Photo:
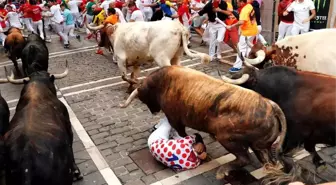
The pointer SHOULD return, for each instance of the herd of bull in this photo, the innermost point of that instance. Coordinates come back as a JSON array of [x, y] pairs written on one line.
[[270, 109], [36, 145]]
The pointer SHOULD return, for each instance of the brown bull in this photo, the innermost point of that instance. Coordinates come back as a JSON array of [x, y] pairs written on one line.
[[237, 117], [14, 45]]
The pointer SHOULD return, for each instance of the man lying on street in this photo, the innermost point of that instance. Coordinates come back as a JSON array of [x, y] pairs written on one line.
[[177, 153]]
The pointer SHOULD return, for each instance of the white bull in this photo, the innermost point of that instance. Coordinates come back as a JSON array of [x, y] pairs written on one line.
[[136, 43], [313, 51]]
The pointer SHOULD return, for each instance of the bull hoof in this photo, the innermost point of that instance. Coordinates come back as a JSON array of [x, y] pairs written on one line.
[[77, 176], [221, 173]]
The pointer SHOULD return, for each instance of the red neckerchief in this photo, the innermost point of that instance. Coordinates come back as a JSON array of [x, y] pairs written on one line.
[[134, 8]]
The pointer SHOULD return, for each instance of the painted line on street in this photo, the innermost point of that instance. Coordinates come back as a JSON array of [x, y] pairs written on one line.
[[111, 85], [91, 148], [53, 55], [115, 77], [185, 175]]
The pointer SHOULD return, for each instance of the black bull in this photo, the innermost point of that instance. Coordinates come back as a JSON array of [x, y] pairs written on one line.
[[237, 117], [307, 99], [39, 140]]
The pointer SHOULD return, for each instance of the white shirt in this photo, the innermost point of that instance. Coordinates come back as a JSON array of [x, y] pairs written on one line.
[[56, 12], [13, 19], [196, 5], [137, 16], [105, 5], [301, 11], [121, 15], [73, 6]]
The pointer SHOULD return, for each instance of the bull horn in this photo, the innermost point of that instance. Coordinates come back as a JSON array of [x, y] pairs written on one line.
[[94, 28], [261, 55], [64, 74], [239, 81], [129, 99], [12, 80]]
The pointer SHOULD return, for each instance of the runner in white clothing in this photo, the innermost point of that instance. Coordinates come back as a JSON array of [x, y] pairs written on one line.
[[57, 18], [146, 10], [302, 19], [73, 6], [136, 14], [13, 18]]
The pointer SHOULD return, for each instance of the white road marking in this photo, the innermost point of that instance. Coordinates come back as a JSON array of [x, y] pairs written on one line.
[[97, 158], [185, 175], [115, 77], [111, 85], [53, 55]]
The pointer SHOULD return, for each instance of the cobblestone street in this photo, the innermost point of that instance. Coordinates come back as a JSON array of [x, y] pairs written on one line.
[[110, 143]]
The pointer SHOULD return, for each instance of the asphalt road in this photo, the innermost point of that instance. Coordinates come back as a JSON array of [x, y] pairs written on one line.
[[110, 143]]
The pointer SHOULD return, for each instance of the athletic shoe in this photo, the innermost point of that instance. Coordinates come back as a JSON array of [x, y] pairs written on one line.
[[66, 46], [100, 52], [78, 38], [234, 70]]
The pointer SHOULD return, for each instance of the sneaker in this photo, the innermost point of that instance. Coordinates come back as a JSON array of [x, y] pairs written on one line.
[[78, 38], [48, 40], [66, 46], [99, 52], [203, 43], [234, 70]]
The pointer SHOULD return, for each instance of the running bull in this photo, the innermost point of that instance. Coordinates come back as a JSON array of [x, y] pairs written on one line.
[[39, 140], [312, 51], [14, 45], [307, 99], [139, 42], [239, 118], [35, 57]]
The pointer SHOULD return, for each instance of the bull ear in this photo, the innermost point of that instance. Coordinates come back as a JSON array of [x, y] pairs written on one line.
[[52, 78]]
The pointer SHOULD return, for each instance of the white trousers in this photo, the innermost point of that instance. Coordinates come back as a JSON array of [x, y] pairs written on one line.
[[285, 29], [297, 29], [217, 32], [28, 23], [38, 25], [162, 132], [59, 30], [2, 36], [76, 17], [68, 32], [243, 48], [89, 19], [260, 37], [148, 13]]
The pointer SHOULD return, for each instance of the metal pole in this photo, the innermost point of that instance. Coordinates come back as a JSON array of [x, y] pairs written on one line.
[[273, 21]]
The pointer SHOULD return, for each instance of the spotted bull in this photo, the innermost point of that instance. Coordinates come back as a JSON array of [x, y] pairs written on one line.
[[136, 43], [39, 140], [307, 99], [311, 51], [237, 117]]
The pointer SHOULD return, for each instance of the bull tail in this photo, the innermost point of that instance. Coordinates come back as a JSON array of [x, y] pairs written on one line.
[[274, 173], [282, 120], [205, 59]]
